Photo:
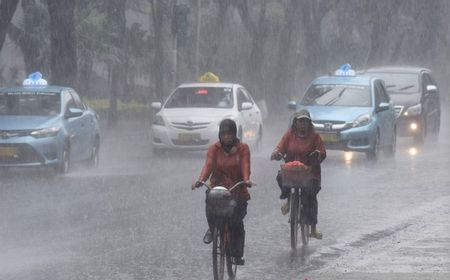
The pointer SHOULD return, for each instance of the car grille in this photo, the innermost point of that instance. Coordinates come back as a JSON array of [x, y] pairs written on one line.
[[23, 153], [4, 134], [331, 125], [398, 110], [190, 125], [190, 143]]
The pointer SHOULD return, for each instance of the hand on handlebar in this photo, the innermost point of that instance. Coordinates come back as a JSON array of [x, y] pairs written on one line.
[[276, 155], [197, 184], [314, 157], [248, 183]]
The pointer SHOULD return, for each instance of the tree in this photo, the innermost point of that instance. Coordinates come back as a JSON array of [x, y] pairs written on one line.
[[115, 30], [63, 60], [31, 36], [7, 10], [258, 31]]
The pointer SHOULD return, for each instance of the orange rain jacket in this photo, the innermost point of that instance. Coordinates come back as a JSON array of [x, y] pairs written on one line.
[[226, 169], [296, 148]]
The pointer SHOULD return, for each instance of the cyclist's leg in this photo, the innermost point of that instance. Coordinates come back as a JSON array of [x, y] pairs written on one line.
[[309, 202], [285, 192], [207, 238], [237, 229]]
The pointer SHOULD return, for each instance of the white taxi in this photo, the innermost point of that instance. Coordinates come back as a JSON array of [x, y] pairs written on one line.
[[189, 118]]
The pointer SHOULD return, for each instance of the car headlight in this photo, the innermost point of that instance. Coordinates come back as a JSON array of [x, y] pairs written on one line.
[[362, 120], [46, 132], [158, 120], [413, 110]]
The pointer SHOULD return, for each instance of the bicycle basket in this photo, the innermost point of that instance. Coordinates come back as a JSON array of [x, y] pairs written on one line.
[[294, 176], [219, 202]]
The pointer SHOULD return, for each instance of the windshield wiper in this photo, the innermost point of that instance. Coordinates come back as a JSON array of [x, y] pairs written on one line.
[[390, 86], [334, 100], [406, 87]]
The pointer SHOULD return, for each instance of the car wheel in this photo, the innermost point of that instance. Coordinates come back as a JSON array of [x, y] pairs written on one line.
[[64, 166], [157, 152], [373, 153], [390, 150], [420, 137], [95, 154], [240, 134], [258, 143], [433, 132]]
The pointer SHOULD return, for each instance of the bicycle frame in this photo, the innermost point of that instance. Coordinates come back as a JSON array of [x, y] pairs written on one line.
[[221, 247], [296, 219]]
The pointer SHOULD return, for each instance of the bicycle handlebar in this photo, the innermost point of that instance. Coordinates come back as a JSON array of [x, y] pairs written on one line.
[[230, 189]]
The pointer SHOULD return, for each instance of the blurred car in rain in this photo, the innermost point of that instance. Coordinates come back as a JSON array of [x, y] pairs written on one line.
[[415, 94], [189, 118], [351, 112], [48, 126]]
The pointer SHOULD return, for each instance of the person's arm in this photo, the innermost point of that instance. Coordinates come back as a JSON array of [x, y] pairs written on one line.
[[209, 164], [245, 163], [281, 149], [320, 147]]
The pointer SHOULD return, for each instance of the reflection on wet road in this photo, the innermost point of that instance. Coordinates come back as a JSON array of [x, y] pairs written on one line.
[[136, 217]]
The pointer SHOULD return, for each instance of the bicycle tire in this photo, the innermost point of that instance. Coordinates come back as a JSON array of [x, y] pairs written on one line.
[[304, 228], [231, 268], [218, 255], [294, 219]]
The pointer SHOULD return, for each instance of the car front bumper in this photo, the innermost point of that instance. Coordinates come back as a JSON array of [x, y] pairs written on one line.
[[30, 152], [358, 139], [409, 126], [164, 137]]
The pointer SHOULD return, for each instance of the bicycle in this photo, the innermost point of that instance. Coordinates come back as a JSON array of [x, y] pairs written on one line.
[[296, 178], [221, 205]]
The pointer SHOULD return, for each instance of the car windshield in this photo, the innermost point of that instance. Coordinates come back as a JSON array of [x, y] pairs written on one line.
[[338, 95], [204, 97], [400, 82], [30, 103]]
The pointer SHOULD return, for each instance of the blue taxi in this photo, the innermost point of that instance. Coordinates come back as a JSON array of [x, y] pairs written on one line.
[[48, 126], [351, 112]]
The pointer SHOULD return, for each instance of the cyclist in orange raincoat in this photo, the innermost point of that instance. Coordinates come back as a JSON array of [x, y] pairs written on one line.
[[227, 163], [302, 143]]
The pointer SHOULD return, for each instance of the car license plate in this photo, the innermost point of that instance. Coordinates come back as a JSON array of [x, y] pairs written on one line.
[[329, 137], [188, 137], [8, 151]]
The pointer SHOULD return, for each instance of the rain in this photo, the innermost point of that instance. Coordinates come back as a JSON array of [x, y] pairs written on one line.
[[135, 216]]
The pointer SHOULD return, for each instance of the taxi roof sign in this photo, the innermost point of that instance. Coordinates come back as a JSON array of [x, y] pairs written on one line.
[[345, 70], [34, 79], [209, 77]]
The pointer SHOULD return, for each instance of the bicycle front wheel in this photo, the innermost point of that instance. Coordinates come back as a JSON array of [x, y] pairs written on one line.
[[231, 268], [218, 254], [294, 219]]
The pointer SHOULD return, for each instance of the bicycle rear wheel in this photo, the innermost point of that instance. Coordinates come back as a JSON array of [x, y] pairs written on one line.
[[294, 219], [304, 228], [218, 254]]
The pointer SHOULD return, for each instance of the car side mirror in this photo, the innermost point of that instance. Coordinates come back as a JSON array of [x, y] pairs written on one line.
[[431, 89], [73, 113], [383, 107], [292, 105], [246, 106], [156, 105]]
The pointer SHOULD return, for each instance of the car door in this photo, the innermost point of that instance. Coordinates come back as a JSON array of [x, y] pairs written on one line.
[[385, 117], [87, 127], [73, 126], [430, 101], [255, 114], [244, 115]]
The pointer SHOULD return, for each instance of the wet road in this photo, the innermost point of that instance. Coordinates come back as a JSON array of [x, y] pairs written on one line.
[[136, 217]]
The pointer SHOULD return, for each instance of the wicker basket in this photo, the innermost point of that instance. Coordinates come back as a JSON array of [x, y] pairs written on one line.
[[293, 176]]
